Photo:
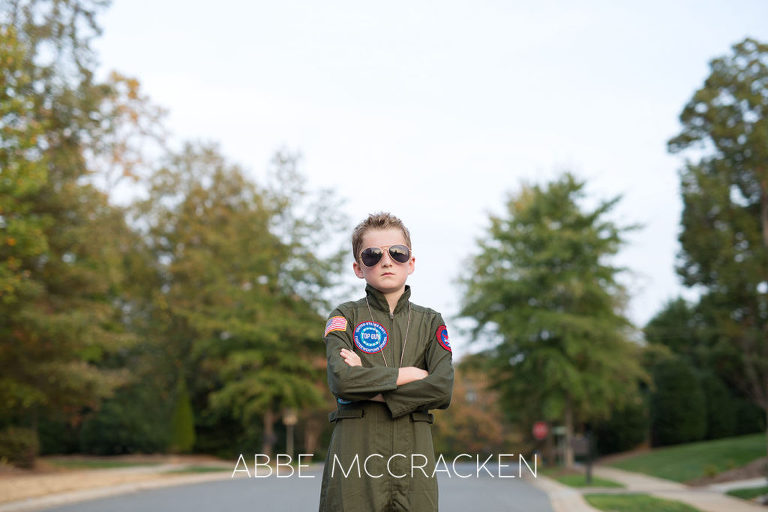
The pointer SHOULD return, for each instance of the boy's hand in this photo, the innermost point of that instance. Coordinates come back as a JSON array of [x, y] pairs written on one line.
[[410, 374], [351, 358]]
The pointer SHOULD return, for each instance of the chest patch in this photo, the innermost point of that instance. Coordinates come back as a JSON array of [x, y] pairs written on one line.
[[370, 337], [442, 338]]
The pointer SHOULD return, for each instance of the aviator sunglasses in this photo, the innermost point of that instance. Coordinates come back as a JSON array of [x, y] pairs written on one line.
[[372, 255]]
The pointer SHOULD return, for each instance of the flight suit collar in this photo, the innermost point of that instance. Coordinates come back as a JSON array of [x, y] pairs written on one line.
[[377, 300]]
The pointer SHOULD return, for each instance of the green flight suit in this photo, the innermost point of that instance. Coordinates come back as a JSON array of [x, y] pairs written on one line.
[[392, 440]]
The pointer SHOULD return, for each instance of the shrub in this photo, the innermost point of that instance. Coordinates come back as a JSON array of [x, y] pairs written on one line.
[[625, 429], [721, 407], [134, 421], [19, 446], [183, 421], [678, 405]]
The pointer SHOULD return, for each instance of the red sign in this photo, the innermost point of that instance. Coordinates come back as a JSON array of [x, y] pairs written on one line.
[[540, 430]]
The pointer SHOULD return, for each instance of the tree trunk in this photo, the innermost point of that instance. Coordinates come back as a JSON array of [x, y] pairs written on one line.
[[568, 452], [268, 438], [311, 435], [764, 211]]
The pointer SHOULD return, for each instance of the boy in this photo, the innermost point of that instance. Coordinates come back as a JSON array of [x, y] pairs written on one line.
[[389, 362]]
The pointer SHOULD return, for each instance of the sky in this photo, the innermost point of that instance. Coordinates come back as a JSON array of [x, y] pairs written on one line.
[[439, 111]]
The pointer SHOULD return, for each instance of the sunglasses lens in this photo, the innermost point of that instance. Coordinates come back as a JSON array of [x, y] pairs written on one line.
[[399, 253], [371, 256]]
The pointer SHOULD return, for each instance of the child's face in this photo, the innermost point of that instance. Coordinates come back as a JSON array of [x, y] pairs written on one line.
[[387, 275]]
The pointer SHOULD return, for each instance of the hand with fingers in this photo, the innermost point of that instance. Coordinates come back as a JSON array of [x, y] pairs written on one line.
[[350, 358]]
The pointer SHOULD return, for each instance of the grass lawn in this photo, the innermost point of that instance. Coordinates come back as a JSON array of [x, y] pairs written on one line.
[[581, 481], [636, 503], [749, 493], [576, 478], [199, 469], [688, 461]]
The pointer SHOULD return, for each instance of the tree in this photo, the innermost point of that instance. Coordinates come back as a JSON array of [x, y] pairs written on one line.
[[542, 290], [724, 237], [236, 307], [64, 262], [678, 404]]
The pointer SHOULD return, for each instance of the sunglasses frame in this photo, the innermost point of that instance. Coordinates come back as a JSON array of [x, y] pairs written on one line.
[[389, 250]]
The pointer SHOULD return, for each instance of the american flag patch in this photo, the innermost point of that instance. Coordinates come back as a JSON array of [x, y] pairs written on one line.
[[335, 323]]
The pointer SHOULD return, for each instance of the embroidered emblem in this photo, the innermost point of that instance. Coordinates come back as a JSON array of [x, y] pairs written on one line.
[[335, 323], [442, 338], [370, 337], [343, 402]]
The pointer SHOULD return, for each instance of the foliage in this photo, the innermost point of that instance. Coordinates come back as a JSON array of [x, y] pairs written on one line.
[[19, 446], [626, 427], [724, 234], [58, 434], [689, 330], [212, 280], [678, 404], [182, 421], [135, 420], [720, 405], [62, 314], [230, 309], [68, 303], [474, 422], [680, 327], [749, 417], [542, 289]]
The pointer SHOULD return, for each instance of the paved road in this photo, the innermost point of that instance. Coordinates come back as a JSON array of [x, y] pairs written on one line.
[[299, 494]]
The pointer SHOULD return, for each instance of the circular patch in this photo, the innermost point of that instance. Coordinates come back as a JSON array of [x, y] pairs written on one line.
[[442, 338], [370, 337]]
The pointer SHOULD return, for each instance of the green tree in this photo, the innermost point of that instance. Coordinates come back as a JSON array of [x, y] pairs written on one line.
[[541, 289], [24, 171], [67, 252], [182, 421], [724, 233], [236, 304]]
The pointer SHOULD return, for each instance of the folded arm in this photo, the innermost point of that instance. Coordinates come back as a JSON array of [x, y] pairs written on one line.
[[354, 382], [433, 391]]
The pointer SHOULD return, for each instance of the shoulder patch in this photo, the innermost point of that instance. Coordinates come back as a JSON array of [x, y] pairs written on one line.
[[370, 337], [335, 323], [442, 338]]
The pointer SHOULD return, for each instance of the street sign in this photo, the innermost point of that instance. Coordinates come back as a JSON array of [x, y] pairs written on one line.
[[540, 430]]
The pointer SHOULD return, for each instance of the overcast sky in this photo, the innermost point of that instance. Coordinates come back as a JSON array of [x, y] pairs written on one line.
[[436, 111]]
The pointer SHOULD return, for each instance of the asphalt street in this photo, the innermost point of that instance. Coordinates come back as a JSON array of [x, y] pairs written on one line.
[[293, 494]]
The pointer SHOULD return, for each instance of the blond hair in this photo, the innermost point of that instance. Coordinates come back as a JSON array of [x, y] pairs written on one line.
[[380, 220]]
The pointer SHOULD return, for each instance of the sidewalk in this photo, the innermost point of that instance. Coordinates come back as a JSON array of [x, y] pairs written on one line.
[[563, 498], [705, 499]]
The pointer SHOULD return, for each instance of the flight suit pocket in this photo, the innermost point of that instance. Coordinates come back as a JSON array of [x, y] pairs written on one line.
[[344, 414]]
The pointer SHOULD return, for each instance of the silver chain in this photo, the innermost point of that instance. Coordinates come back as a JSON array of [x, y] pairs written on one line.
[[405, 341]]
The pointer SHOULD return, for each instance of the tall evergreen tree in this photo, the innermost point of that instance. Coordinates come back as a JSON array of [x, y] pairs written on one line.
[[542, 290], [724, 233]]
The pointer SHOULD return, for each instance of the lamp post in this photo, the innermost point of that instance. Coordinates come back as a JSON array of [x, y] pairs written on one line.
[[290, 418]]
